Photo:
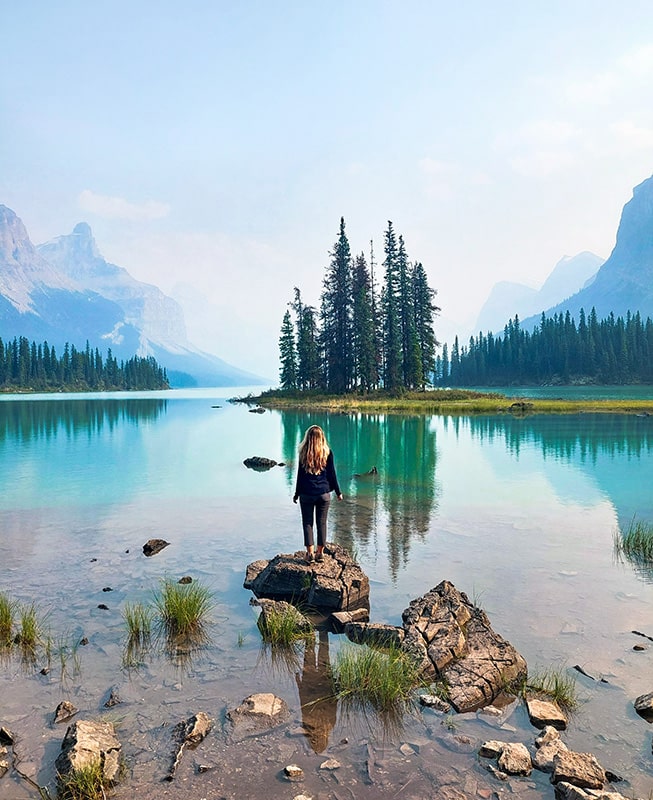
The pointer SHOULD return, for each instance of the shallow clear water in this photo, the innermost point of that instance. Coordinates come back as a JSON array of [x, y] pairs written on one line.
[[518, 513]]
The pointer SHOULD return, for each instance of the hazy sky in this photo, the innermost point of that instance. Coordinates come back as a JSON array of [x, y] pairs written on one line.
[[219, 143]]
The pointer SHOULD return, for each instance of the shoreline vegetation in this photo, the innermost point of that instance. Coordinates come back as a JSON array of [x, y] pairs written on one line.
[[442, 401]]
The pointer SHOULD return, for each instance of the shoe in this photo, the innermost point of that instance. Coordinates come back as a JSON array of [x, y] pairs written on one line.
[[310, 558], [319, 557]]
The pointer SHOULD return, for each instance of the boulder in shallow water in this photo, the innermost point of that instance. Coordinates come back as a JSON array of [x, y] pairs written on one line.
[[644, 706], [579, 769], [335, 584], [454, 639], [64, 711], [543, 713], [259, 463], [154, 546], [89, 743]]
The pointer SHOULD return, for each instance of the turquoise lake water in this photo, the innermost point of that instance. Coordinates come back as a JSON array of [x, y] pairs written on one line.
[[519, 513]]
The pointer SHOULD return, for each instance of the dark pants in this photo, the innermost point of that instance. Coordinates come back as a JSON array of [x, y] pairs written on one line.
[[314, 506]]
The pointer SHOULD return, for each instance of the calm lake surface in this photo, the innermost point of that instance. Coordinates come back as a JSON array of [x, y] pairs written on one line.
[[519, 513]]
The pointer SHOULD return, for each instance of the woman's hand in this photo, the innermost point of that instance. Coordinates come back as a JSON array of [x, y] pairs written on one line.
[[339, 497]]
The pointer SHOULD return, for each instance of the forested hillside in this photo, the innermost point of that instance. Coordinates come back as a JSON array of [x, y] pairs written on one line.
[[613, 350]]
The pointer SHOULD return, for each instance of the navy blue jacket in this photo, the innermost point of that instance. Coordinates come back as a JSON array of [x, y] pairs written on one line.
[[322, 483]]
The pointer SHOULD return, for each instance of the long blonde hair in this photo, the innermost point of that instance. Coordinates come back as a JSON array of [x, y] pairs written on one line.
[[314, 450]]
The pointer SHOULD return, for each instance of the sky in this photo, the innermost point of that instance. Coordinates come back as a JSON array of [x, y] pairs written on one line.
[[213, 146]]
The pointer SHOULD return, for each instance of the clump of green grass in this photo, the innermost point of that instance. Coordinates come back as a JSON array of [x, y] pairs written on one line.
[[183, 609], [384, 680], [636, 542], [7, 611], [138, 619], [85, 783], [554, 684], [29, 631], [28, 625], [284, 626]]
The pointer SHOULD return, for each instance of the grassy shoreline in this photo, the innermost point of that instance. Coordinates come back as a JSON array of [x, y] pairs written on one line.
[[445, 401]]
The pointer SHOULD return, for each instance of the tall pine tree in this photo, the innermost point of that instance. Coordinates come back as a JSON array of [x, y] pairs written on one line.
[[363, 332], [392, 344], [336, 316], [287, 354]]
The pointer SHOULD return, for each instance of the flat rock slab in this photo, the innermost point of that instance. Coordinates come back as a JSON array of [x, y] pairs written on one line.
[[89, 743], [579, 769], [375, 634], [335, 584], [453, 639], [545, 712], [567, 791]]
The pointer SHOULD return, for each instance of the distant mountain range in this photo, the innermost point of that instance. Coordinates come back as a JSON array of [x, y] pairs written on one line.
[[622, 283], [625, 281], [65, 291], [507, 299]]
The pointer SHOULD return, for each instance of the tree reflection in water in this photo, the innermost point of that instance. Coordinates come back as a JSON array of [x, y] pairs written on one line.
[[398, 500]]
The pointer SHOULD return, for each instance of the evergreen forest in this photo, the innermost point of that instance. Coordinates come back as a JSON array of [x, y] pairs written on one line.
[[26, 366], [362, 338], [558, 351]]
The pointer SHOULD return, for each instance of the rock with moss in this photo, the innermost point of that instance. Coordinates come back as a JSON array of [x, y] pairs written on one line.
[[461, 647], [272, 608]]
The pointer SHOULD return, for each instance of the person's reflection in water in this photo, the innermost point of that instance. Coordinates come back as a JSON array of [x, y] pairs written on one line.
[[319, 705]]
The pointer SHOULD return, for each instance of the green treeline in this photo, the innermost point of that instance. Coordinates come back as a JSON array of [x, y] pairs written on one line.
[[362, 338], [24, 365], [609, 351]]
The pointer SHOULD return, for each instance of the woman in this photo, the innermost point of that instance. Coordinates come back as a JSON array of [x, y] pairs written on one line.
[[316, 479]]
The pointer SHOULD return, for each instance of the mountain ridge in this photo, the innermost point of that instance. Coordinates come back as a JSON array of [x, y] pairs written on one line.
[[65, 291], [624, 282]]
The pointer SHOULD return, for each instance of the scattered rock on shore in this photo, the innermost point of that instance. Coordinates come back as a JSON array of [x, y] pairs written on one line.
[[154, 546], [258, 712], [545, 712], [64, 711], [644, 706], [89, 743]]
